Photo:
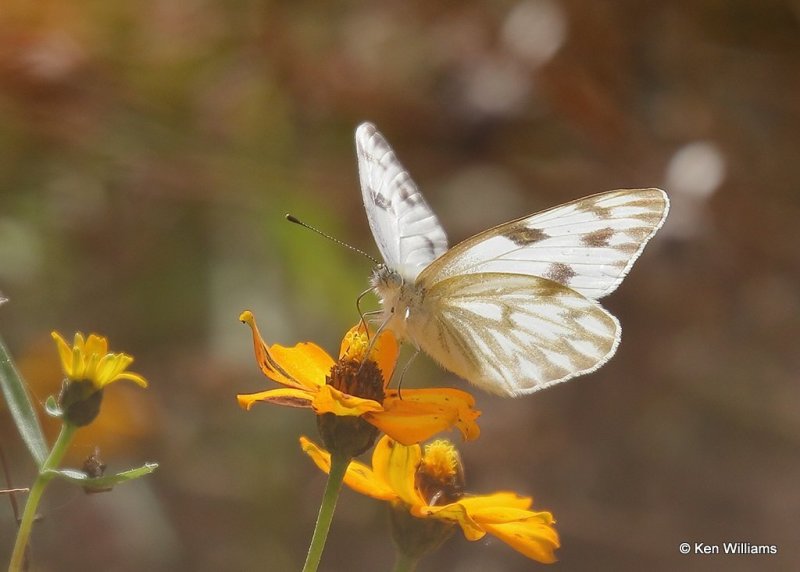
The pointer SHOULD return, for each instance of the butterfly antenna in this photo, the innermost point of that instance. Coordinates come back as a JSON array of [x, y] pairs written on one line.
[[295, 220]]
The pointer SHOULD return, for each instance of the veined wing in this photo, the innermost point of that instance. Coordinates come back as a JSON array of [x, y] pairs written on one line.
[[589, 244], [513, 334], [407, 232]]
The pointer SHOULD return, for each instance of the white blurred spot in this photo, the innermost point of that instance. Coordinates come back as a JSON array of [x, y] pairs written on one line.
[[497, 86], [534, 30], [53, 57], [693, 174], [697, 169]]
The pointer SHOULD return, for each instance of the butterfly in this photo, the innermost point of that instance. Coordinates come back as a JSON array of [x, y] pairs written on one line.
[[514, 308]]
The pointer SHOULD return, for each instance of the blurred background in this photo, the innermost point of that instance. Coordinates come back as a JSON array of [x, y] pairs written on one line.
[[148, 153]]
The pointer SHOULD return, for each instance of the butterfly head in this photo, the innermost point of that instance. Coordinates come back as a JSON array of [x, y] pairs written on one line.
[[385, 280], [389, 285]]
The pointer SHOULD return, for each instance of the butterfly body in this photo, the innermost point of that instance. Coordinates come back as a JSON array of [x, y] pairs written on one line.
[[513, 309], [398, 296]]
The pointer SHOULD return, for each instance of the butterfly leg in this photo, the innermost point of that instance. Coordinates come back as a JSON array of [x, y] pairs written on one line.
[[377, 333], [363, 314], [403, 373]]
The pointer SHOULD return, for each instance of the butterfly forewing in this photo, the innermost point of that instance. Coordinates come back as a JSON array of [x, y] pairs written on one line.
[[513, 334], [407, 232], [589, 244]]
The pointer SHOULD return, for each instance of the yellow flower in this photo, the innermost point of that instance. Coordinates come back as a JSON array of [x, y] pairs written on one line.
[[89, 368], [89, 360], [429, 485], [313, 379]]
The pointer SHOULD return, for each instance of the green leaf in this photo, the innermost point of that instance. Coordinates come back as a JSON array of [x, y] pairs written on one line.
[[105, 482], [19, 403]]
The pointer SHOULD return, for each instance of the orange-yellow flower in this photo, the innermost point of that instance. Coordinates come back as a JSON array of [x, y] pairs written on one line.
[[429, 485], [307, 373], [89, 368]]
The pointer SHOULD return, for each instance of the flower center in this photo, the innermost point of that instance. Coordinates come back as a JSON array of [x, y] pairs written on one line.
[[440, 476], [360, 379]]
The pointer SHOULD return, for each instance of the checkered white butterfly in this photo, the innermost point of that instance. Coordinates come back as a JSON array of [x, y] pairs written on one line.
[[512, 309]]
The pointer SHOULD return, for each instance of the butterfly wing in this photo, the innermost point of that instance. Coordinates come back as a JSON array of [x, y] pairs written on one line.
[[407, 232], [512, 334], [588, 244]]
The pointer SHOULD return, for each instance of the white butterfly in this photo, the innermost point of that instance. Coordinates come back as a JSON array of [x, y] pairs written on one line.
[[512, 309]]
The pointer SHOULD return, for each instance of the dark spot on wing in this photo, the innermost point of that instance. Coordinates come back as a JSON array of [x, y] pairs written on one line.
[[429, 246], [600, 212], [598, 238], [560, 273], [381, 202], [549, 288], [628, 247], [650, 219], [524, 236], [408, 192]]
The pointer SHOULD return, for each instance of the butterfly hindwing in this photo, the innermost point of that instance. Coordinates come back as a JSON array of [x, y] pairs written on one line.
[[407, 232], [588, 244], [510, 333]]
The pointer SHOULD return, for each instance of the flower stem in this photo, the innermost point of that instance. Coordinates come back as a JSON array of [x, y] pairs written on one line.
[[42, 480], [339, 465], [405, 562]]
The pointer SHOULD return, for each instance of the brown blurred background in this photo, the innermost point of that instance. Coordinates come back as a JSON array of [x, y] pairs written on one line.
[[149, 150]]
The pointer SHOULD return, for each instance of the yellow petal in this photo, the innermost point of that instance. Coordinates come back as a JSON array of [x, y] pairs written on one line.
[[304, 365], [134, 377], [472, 512], [358, 477], [287, 396], [64, 352], [422, 413], [396, 465], [454, 512], [78, 367], [503, 515], [534, 537], [78, 342], [95, 345], [477, 503], [331, 400], [105, 369], [409, 425]]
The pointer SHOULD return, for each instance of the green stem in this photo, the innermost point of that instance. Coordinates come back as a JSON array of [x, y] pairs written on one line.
[[334, 485], [405, 562], [42, 480]]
